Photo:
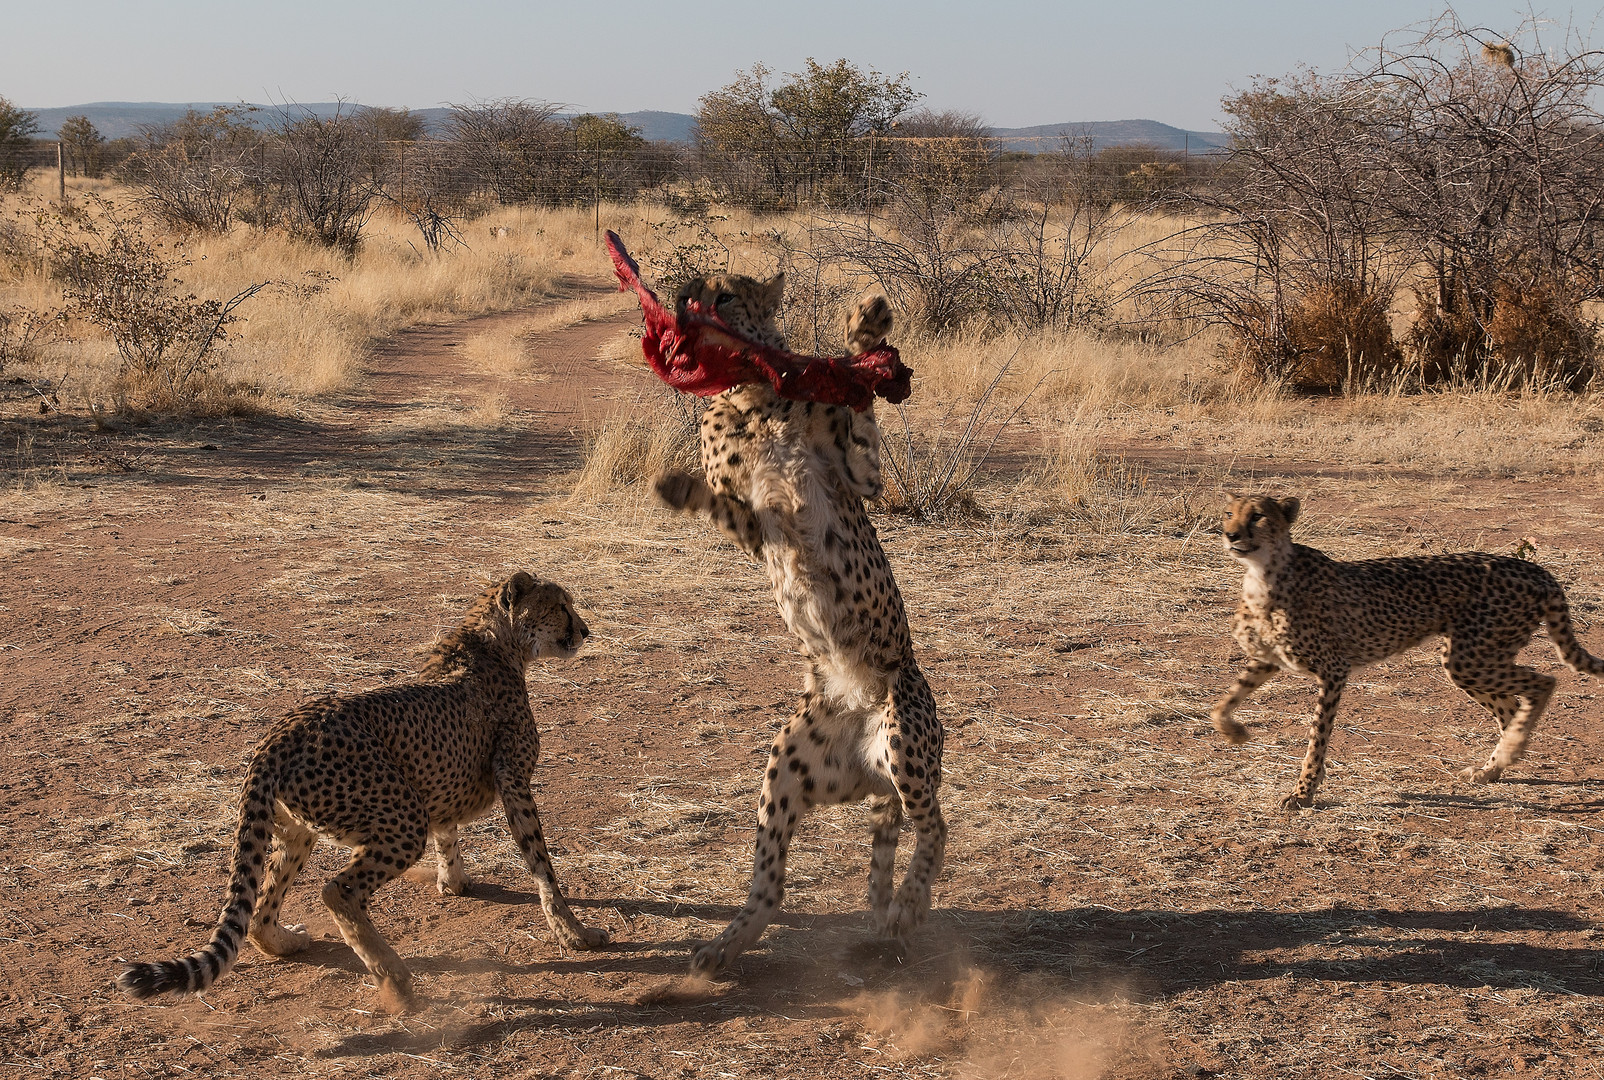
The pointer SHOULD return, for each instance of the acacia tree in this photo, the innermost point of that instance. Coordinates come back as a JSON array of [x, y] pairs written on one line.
[[17, 129], [195, 172], [327, 171], [81, 146], [805, 139], [1496, 149], [512, 147]]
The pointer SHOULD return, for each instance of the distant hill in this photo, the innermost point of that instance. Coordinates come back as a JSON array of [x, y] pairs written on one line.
[[1105, 133], [115, 119]]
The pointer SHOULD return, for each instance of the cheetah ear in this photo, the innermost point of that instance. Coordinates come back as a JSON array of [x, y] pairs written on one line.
[[515, 589], [1289, 509], [772, 291]]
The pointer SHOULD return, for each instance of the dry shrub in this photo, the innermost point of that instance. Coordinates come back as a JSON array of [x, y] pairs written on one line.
[[629, 449], [1539, 335], [1536, 334], [1341, 335], [117, 278], [1332, 335]]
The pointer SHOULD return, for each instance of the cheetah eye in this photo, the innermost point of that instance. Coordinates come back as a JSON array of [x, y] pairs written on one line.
[[1255, 519], [723, 298]]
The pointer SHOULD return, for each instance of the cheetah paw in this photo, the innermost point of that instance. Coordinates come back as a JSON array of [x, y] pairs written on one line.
[[902, 919], [1482, 776], [710, 959], [281, 940], [674, 489], [583, 938], [1297, 802], [1235, 733], [453, 886]]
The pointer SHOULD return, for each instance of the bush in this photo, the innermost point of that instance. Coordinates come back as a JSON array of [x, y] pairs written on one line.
[[115, 278], [1535, 333], [629, 449], [196, 172], [17, 129], [326, 172], [22, 332]]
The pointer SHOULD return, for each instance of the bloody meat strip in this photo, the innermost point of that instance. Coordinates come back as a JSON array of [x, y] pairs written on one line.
[[697, 353]]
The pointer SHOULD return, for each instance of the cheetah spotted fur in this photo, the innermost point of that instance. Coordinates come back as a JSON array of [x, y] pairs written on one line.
[[380, 772], [1305, 611], [787, 481]]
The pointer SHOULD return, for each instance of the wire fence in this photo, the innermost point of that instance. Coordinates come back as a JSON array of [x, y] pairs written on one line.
[[455, 174]]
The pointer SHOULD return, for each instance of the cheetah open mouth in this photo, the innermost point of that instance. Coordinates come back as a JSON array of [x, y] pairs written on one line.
[[699, 354]]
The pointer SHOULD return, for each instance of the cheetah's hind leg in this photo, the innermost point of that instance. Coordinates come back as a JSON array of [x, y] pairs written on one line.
[[1484, 667], [449, 877], [292, 843], [915, 770], [788, 783]]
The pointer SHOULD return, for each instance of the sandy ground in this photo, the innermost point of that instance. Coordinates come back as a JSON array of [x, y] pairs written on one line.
[[1121, 898]]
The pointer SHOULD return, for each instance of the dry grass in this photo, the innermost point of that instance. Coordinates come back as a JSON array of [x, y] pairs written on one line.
[[629, 448]]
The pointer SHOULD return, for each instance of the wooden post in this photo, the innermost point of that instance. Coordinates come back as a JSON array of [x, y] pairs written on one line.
[[61, 171]]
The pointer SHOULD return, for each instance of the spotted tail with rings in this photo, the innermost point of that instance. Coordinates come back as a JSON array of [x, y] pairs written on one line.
[[195, 972]]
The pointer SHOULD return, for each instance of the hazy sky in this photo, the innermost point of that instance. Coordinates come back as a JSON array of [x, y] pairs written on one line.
[[1014, 63]]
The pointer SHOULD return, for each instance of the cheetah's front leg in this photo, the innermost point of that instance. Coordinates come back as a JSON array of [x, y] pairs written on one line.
[[1252, 677], [449, 877], [512, 784], [681, 491], [1314, 761]]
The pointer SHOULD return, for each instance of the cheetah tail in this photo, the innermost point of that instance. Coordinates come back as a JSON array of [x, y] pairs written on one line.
[[1557, 614], [194, 973]]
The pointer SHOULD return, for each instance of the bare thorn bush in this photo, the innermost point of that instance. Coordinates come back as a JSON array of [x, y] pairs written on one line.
[[117, 279]]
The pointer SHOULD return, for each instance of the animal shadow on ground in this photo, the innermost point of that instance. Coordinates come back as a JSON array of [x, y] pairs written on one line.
[[813, 966]]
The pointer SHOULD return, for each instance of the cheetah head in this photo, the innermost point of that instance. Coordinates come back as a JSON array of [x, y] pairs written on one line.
[[746, 305], [1256, 524], [541, 616]]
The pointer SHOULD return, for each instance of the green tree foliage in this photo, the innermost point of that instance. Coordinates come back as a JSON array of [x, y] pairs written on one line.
[[804, 140], [17, 129], [81, 146]]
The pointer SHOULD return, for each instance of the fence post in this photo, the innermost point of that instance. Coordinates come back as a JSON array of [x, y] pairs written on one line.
[[61, 172], [596, 189]]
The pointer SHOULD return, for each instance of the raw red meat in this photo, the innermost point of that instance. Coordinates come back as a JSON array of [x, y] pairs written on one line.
[[698, 354]]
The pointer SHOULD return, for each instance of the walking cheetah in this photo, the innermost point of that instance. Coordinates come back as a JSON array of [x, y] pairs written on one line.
[[787, 481], [1305, 611], [381, 772]]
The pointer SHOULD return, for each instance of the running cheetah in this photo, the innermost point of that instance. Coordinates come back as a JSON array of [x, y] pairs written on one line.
[[787, 481], [381, 772], [1305, 611]]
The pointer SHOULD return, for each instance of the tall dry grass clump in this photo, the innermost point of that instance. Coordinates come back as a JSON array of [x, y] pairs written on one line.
[[630, 448]]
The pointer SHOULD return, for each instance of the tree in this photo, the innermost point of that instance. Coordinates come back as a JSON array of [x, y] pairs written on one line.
[[391, 125], [195, 171], [17, 129], [512, 147], [807, 139], [326, 171], [81, 146]]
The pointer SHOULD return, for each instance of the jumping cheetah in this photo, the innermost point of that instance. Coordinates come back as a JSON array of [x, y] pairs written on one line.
[[1305, 611], [381, 772], [787, 481]]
